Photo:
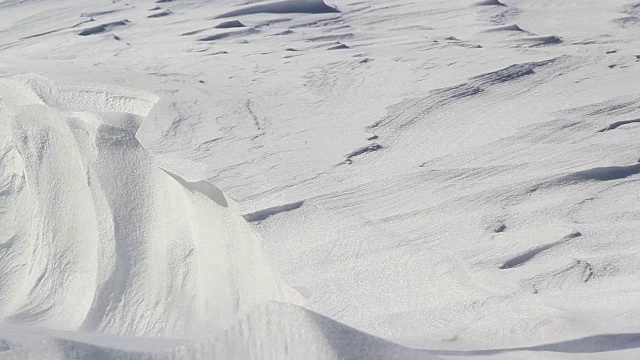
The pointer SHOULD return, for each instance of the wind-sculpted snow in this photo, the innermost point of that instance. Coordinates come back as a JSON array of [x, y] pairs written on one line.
[[284, 7], [98, 238], [99, 29], [270, 331], [458, 176], [283, 331]]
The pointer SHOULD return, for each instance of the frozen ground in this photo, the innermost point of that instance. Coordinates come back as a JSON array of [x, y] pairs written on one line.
[[423, 179]]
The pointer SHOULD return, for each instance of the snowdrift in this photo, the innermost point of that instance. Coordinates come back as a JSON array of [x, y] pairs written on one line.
[[284, 331], [97, 237], [271, 331]]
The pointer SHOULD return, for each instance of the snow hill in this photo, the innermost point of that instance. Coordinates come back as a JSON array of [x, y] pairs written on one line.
[[412, 179]]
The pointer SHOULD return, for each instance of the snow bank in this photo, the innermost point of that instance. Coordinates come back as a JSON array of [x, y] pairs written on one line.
[[97, 237]]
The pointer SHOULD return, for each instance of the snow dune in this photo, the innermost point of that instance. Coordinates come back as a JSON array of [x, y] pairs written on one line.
[[97, 237]]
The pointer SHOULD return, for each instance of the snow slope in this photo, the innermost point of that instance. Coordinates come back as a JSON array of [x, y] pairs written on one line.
[[455, 176]]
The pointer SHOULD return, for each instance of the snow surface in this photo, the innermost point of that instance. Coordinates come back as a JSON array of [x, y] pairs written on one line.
[[421, 179]]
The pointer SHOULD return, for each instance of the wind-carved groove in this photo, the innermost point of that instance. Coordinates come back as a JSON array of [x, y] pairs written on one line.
[[528, 255], [102, 28], [606, 173], [618, 124], [263, 214], [410, 111], [283, 7]]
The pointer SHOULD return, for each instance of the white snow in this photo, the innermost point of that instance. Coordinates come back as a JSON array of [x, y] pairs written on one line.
[[189, 179], [97, 237]]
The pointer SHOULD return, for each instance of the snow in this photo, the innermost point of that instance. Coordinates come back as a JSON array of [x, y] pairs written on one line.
[[97, 237], [294, 179]]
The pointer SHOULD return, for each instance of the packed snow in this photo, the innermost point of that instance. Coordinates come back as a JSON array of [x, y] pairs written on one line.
[[309, 179]]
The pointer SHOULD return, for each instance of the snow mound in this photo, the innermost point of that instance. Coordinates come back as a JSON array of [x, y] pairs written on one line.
[[98, 238]]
